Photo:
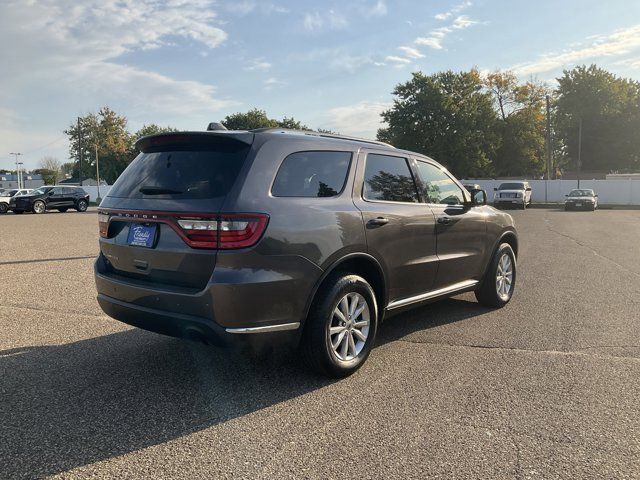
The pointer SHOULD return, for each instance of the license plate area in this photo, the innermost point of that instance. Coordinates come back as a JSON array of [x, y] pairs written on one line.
[[578, 204], [142, 235]]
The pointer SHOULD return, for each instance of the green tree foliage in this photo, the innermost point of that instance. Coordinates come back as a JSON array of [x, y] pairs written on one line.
[[104, 134], [609, 109], [256, 118], [446, 115], [521, 125]]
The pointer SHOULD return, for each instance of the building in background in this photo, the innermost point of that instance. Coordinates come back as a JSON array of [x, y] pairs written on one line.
[[8, 181]]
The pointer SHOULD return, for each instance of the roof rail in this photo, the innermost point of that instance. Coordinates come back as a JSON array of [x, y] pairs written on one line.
[[319, 134]]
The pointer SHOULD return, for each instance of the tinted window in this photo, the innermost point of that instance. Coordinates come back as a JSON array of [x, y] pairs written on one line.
[[312, 174], [181, 174], [511, 186], [58, 191], [438, 186], [389, 178]]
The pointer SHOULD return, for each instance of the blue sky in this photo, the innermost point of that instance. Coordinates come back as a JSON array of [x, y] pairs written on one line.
[[329, 64]]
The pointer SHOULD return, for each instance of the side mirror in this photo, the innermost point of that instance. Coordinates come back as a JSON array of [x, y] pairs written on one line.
[[528, 189], [495, 189], [596, 196], [566, 195], [478, 197]]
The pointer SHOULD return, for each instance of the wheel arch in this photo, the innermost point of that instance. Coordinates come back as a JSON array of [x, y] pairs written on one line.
[[361, 264]]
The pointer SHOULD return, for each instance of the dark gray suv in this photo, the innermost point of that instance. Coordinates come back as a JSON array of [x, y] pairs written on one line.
[[269, 235]]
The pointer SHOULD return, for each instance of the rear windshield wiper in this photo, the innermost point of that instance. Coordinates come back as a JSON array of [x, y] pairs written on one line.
[[150, 190]]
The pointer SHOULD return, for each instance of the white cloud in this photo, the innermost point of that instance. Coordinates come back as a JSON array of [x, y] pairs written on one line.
[[316, 21], [360, 120], [272, 83], [454, 10], [260, 65], [379, 9], [74, 51], [399, 61], [436, 37], [620, 42], [242, 8], [411, 52]]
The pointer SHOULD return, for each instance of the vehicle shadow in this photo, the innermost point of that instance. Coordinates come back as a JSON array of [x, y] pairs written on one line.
[[70, 405]]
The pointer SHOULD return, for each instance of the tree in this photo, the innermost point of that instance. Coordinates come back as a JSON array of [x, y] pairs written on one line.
[[50, 170], [608, 107], [256, 118], [249, 121], [104, 133], [521, 124], [446, 115], [146, 130]]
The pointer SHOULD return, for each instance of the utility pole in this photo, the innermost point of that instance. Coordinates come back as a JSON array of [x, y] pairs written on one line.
[[579, 149], [97, 175], [15, 154], [80, 152], [20, 175], [549, 143]]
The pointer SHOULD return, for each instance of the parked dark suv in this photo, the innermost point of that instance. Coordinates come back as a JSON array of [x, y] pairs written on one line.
[[226, 236], [60, 198]]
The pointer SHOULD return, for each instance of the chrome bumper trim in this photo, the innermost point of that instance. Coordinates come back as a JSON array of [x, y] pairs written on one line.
[[266, 329]]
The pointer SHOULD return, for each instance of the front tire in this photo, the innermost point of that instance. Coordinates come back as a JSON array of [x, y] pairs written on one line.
[[82, 206], [3, 207], [39, 207], [341, 326], [499, 280]]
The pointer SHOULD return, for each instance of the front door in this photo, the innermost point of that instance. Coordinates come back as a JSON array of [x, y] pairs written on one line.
[[55, 197], [400, 230], [461, 228]]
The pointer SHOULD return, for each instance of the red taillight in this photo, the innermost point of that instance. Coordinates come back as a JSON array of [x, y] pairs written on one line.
[[103, 224], [227, 231]]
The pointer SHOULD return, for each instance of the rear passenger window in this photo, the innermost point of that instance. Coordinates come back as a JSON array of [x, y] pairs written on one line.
[[389, 178], [312, 174], [438, 186]]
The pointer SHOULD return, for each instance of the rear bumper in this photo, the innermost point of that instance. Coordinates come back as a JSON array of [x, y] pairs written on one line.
[[237, 309]]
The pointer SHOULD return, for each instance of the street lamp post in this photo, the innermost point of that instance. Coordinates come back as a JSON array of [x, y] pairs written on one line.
[[16, 154], [20, 175]]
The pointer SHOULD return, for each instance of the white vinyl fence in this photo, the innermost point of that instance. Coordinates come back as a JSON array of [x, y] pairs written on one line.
[[93, 191], [620, 192]]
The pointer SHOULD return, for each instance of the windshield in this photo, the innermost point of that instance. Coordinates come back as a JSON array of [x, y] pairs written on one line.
[[581, 193], [8, 193], [511, 186], [41, 190]]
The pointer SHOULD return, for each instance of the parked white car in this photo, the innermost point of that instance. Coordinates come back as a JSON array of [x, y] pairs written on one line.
[[513, 194], [7, 195]]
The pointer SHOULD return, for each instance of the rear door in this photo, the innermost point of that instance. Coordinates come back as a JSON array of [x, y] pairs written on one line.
[[400, 230], [461, 228]]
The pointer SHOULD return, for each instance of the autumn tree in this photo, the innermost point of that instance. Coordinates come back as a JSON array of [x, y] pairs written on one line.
[[448, 115]]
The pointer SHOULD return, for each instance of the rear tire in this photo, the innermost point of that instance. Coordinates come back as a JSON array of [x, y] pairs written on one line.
[[499, 280], [329, 345]]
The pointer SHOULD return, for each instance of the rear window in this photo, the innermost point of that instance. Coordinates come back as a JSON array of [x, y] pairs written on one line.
[[312, 174], [181, 174]]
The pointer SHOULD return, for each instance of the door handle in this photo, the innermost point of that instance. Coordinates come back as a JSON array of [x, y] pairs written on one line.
[[444, 220], [378, 222]]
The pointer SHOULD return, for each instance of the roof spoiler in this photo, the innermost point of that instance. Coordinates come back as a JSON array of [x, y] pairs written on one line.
[[164, 141]]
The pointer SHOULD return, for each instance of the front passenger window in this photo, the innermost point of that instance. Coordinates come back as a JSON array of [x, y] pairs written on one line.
[[438, 186]]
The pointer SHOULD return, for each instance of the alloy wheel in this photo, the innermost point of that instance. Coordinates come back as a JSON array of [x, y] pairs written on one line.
[[349, 326], [504, 276]]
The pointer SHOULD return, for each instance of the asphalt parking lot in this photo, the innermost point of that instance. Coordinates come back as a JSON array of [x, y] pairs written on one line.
[[548, 387]]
